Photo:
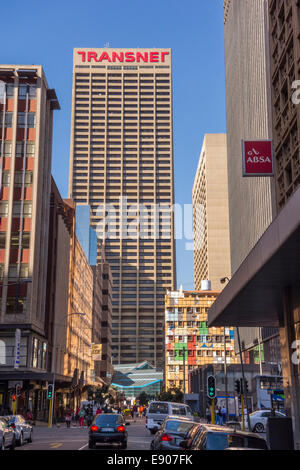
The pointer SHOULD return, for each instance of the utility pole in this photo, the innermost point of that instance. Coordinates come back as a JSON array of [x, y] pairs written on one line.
[[244, 391], [183, 350], [225, 376]]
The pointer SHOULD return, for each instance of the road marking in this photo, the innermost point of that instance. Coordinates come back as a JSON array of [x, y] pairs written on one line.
[[55, 445], [83, 447]]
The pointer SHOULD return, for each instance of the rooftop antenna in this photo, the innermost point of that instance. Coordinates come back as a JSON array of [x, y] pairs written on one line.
[[106, 44]]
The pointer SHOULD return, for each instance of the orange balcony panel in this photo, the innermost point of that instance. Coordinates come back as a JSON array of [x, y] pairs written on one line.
[[28, 193], [30, 164], [10, 105], [25, 256], [31, 134], [2, 256], [27, 225], [32, 106], [3, 224], [5, 194], [7, 133], [6, 163]]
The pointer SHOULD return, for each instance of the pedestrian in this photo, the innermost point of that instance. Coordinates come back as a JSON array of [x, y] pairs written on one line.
[[134, 412], [81, 417], [224, 415], [144, 411], [218, 415], [89, 415], [98, 411], [29, 417], [77, 416], [68, 416], [119, 410]]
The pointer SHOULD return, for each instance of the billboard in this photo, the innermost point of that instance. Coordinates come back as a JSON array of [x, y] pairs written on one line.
[[257, 158]]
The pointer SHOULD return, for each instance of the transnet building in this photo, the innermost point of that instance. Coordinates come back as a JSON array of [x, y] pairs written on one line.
[[122, 166]]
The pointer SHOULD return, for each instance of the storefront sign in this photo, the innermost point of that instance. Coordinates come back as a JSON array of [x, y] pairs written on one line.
[[257, 158], [17, 348]]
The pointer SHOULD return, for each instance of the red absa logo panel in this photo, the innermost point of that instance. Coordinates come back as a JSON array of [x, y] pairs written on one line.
[[257, 158]]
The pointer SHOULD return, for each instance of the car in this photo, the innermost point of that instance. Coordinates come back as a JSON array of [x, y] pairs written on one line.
[[172, 431], [23, 430], [7, 435], [108, 428], [259, 419], [159, 410], [212, 437]]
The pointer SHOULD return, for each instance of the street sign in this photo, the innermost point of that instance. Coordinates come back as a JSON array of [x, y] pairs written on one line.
[[257, 157], [17, 348]]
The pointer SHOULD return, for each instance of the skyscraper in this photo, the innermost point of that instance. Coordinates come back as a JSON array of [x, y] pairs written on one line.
[[211, 217], [122, 166]]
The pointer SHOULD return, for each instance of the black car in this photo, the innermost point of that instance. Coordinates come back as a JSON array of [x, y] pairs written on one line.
[[108, 429], [173, 431], [211, 437]]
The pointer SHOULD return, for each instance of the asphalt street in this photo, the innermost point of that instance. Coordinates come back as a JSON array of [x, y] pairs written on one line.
[[76, 438]]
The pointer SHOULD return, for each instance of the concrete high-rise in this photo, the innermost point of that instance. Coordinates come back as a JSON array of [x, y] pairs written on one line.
[[122, 157], [211, 216]]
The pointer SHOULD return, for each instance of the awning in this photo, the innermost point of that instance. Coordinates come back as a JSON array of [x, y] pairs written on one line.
[[254, 295]]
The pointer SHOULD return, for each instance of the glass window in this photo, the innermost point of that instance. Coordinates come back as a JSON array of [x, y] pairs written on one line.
[[102, 420], [27, 209], [15, 240], [178, 410], [30, 120], [19, 178], [9, 90], [3, 209], [35, 345], [6, 178], [7, 149], [159, 408], [217, 441], [13, 271]]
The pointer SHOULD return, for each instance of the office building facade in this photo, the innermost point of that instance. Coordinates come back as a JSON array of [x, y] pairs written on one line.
[[210, 214], [122, 166], [189, 342], [26, 115]]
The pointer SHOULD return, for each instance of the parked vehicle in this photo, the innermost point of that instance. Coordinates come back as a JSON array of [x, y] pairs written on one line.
[[108, 428], [23, 429], [259, 419], [212, 437], [7, 435], [159, 410], [173, 431]]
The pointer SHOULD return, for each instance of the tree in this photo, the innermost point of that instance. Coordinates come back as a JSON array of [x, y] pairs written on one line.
[[143, 398], [173, 394], [101, 394]]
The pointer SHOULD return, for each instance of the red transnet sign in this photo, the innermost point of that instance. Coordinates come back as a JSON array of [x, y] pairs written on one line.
[[257, 158]]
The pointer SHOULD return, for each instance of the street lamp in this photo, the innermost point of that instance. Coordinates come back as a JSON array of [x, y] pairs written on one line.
[[53, 366]]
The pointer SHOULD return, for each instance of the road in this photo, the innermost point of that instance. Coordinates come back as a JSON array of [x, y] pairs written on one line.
[[62, 438]]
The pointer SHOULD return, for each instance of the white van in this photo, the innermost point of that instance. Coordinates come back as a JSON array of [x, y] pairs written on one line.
[[159, 410]]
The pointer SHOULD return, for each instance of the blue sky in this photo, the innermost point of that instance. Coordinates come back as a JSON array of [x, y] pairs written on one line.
[[37, 32]]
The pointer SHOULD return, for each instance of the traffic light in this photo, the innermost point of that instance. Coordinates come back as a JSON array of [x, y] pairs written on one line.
[[211, 386], [246, 386], [18, 390], [50, 392], [14, 397], [237, 386]]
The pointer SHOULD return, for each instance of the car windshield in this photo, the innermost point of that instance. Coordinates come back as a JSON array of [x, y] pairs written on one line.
[[159, 408], [102, 420], [178, 426]]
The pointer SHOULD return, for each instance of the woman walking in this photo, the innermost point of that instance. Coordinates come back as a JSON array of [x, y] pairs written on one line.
[[81, 417]]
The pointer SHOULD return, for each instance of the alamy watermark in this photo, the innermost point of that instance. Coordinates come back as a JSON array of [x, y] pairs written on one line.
[[296, 94], [152, 222]]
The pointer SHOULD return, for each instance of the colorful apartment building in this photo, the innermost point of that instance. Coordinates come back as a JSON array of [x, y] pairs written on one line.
[[189, 342]]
